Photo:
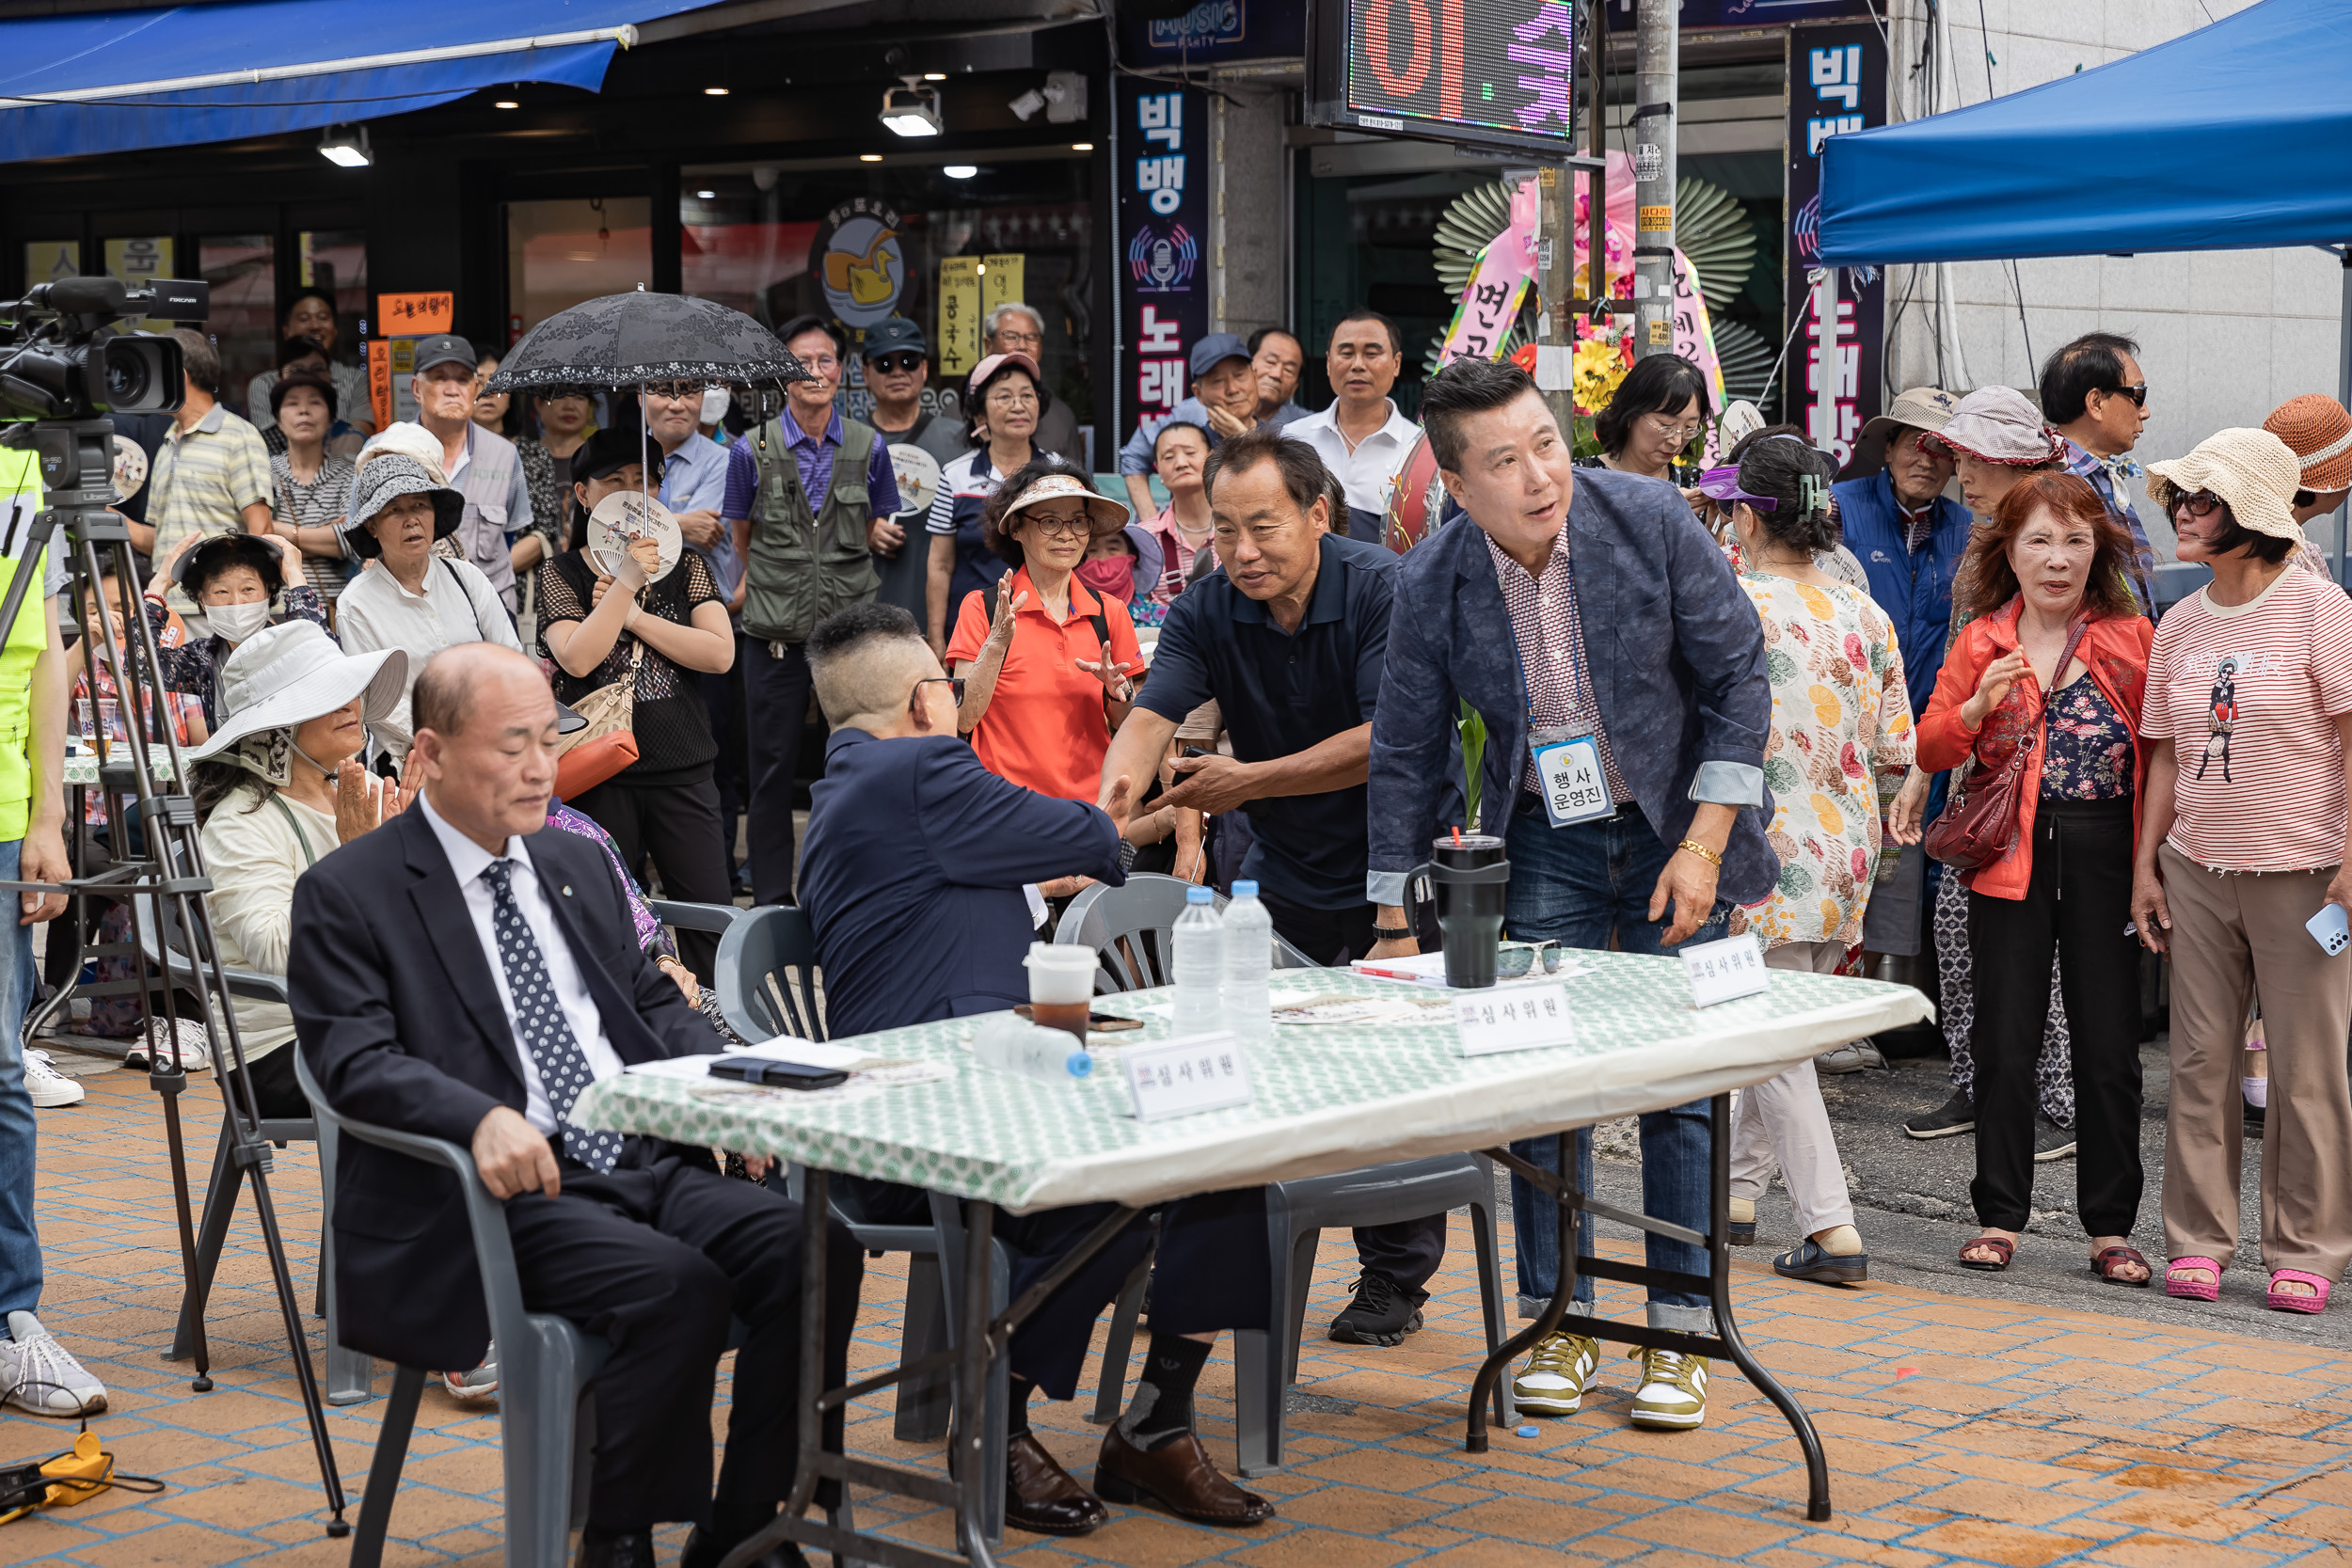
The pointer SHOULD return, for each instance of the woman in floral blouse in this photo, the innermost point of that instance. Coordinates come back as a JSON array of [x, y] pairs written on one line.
[[1842, 719]]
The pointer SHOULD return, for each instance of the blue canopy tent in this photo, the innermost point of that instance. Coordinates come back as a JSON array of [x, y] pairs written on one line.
[[117, 81], [2235, 137]]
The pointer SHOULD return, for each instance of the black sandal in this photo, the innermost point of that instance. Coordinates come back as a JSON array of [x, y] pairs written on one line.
[[2008, 1250], [2106, 1263]]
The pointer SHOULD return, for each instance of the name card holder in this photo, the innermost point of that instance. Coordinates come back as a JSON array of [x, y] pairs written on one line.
[[1726, 970], [1523, 1018], [1176, 1078]]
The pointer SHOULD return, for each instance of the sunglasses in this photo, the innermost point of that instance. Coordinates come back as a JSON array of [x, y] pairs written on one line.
[[2137, 391], [898, 364], [2198, 503], [954, 683]]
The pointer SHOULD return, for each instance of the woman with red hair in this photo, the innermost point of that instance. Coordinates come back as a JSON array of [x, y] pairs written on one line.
[[2045, 679]]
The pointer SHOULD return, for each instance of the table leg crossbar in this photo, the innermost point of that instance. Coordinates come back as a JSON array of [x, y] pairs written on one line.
[[1726, 1341], [983, 1336]]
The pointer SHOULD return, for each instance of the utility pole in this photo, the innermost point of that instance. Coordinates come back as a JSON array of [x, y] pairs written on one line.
[[1657, 69]]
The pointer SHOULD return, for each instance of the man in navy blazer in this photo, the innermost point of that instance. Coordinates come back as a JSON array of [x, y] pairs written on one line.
[[461, 974], [1599, 632]]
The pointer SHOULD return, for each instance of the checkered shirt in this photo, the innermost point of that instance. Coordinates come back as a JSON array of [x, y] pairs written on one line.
[[1550, 636]]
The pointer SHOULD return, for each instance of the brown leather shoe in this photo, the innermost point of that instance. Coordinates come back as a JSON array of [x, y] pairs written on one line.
[[1041, 1495], [1177, 1476]]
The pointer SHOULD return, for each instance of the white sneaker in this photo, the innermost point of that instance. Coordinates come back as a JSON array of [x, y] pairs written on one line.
[[480, 1384], [49, 1087], [41, 1376], [1673, 1395], [189, 1035], [1557, 1372]]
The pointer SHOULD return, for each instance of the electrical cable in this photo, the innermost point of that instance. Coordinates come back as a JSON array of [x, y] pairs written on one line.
[[2016, 282]]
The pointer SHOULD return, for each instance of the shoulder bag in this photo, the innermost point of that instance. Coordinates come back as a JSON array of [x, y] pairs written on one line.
[[1979, 821]]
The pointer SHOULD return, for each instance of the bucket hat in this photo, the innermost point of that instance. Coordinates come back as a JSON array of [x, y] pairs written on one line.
[[387, 477], [1998, 424], [289, 674], [2319, 431], [2251, 470], [1928, 408]]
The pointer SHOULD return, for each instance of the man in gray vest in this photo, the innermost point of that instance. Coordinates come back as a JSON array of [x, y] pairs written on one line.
[[480, 464], [824, 506]]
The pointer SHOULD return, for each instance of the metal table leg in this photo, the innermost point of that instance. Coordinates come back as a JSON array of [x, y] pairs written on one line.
[[1725, 1343]]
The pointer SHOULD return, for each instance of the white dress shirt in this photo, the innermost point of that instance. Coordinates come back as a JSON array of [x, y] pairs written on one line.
[[469, 860], [1368, 471]]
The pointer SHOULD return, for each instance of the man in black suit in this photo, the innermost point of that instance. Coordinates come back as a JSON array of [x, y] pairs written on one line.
[[460, 973]]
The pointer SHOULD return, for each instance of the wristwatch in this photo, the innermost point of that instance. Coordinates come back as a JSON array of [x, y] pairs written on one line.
[[1391, 933]]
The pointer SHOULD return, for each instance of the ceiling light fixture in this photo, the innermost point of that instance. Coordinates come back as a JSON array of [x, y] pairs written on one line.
[[869, 157], [507, 103], [911, 110], [934, 77], [707, 195], [714, 92], [346, 147], [960, 171], [1081, 147]]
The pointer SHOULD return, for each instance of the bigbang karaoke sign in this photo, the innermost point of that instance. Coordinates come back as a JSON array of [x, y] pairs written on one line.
[[1162, 175]]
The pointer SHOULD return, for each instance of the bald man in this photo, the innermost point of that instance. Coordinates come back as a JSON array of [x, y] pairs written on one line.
[[462, 975]]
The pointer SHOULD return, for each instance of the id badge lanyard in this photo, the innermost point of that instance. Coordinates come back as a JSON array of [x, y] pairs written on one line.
[[1568, 764]]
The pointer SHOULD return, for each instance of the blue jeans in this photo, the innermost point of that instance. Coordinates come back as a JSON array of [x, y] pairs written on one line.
[[1577, 886], [20, 1243]]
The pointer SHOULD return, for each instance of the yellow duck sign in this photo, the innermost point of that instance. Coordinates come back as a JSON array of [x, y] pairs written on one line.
[[859, 261]]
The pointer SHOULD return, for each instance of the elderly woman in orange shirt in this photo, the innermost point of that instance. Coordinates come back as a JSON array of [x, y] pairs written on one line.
[[1048, 669]]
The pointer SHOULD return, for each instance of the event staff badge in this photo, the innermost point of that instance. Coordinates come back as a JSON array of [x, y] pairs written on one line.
[[1568, 767]]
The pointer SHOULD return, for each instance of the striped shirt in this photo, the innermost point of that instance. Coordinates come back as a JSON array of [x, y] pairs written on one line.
[[320, 503], [204, 478], [1550, 635], [2248, 694]]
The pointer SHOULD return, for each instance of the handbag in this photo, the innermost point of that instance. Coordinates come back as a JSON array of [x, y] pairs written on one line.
[[609, 709], [585, 767], [1979, 822]]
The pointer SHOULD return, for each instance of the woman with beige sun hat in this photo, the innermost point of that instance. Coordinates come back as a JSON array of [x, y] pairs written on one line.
[[2241, 870]]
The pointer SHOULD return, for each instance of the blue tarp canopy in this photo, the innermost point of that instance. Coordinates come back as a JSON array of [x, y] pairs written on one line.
[[2235, 137], [115, 81]]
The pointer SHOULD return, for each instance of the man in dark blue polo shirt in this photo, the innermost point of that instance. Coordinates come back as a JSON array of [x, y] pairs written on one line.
[[1288, 637]]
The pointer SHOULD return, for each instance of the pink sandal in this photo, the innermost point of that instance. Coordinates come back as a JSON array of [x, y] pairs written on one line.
[[2193, 1290], [2316, 1301]]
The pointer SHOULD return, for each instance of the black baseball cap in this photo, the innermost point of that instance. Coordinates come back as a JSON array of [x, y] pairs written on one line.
[[444, 348], [893, 335]]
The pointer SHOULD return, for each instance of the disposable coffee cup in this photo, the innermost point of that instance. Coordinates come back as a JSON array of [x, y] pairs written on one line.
[[1061, 986]]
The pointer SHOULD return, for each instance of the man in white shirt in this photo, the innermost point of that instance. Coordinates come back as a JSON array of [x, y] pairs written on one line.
[[461, 974], [480, 463], [1362, 437]]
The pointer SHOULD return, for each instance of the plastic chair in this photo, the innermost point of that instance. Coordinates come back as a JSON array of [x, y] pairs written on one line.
[[1129, 927], [350, 1376], [759, 995], [546, 1371]]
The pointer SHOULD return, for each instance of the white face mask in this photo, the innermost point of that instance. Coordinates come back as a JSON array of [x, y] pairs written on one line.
[[236, 622], [715, 401]]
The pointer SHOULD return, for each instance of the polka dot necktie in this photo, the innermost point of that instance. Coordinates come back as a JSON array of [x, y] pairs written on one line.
[[540, 1019]]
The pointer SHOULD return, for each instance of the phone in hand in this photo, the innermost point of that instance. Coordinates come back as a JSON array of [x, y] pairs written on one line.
[[2330, 929], [771, 1073]]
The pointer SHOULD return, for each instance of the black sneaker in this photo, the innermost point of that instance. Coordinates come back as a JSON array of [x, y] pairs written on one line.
[[1957, 1115], [2051, 1141], [1382, 1313], [2256, 1116]]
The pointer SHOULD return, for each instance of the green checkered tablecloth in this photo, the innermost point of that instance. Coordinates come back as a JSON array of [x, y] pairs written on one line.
[[81, 767], [1329, 1098]]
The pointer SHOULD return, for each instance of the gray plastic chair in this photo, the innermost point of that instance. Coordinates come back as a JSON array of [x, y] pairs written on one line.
[[1129, 927], [350, 1376], [546, 1373], [761, 995]]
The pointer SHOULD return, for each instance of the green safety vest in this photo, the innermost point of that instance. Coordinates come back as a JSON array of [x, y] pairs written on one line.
[[804, 563], [20, 476]]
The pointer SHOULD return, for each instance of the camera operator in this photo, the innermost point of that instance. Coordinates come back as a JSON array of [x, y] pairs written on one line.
[[37, 1374]]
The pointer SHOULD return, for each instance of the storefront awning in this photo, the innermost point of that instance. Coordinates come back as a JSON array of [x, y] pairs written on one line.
[[115, 81], [2229, 137]]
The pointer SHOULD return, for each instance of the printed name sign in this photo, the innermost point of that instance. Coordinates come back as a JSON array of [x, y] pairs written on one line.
[[1721, 970], [1524, 1018], [1175, 1078]]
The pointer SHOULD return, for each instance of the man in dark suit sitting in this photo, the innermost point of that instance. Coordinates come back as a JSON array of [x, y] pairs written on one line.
[[461, 974]]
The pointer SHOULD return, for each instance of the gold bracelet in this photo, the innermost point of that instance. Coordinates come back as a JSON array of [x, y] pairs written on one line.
[[1702, 851]]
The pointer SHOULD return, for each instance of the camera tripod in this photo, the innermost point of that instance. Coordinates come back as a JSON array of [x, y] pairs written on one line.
[[157, 863]]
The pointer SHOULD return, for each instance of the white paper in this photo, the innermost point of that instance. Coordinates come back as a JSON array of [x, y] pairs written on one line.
[[1176, 1078], [1037, 905], [784, 1048], [675, 1066], [1531, 1018], [1723, 971]]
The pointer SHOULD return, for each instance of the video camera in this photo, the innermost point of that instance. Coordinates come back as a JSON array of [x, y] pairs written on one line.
[[55, 366]]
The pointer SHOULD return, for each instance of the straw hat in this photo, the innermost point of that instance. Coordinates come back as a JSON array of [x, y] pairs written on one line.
[[1998, 424], [2251, 470], [2319, 431], [289, 674]]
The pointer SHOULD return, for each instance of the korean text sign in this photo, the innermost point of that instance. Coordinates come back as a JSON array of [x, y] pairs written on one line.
[[1160, 175], [1837, 85], [1506, 67]]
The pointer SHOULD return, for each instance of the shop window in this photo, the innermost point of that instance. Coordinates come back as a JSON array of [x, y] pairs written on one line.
[[907, 240], [560, 253], [243, 271]]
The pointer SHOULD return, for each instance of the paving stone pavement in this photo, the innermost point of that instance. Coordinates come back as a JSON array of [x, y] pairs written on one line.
[[1959, 1430]]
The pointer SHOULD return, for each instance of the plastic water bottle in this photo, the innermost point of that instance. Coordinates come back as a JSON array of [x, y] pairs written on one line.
[[1010, 1044], [1198, 959], [1248, 960]]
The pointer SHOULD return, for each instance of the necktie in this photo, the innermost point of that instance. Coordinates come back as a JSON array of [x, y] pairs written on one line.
[[540, 1019]]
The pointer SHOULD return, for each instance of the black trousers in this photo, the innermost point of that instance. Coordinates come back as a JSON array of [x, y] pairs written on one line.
[[2077, 903], [677, 825], [775, 706], [657, 1261], [1210, 1273], [722, 698], [1408, 1252], [274, 1090]]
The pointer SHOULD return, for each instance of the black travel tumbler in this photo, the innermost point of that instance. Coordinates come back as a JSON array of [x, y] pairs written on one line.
[[1470, 878]]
